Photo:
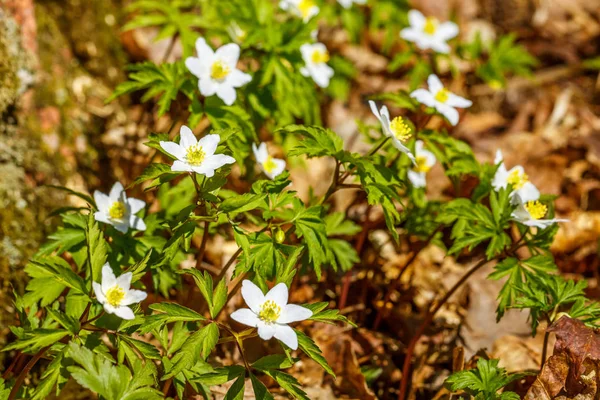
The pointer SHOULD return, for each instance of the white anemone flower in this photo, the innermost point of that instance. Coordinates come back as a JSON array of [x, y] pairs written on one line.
[[305, 9], [118, 210], [272, 167], [396, 128], [217, 70], [196, 155], [429, 32], [440, 98], [271, 313], [316, 56], [424, 160], [531, 213], [348, 3], [523, 190], [115, 294]]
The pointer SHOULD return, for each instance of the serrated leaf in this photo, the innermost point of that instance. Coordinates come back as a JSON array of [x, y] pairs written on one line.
[[308, 346]]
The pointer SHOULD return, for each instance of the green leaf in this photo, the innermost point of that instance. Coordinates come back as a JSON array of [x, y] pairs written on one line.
[[242, 203], [260, 390], [317, 141], [311, 228], [308, 346], [37, 339], [197, 347], [273, 361], [50, 378], [69, 323], [97, 248], [172, 312]]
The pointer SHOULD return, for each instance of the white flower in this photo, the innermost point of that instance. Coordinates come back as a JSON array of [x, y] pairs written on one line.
[[271, 313], [118, 210], [305, 9], [523, 190], [424, 160], [397, 128], [217, 70], [530, 213], [272, 167], [196, 155], [440, 98], [115, 293], [348, 3], [316, 56], [236, 32], [429, 33]]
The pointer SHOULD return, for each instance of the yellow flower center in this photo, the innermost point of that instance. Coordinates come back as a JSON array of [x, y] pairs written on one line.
[[114, 296], [536, 209], [430, 26], [421, 164], [219, 70], [305, 6], [269, 165], [269, 312], [195, 155], [442, 95], [319, 56], [517, 179], [400, 129], [117, 210]]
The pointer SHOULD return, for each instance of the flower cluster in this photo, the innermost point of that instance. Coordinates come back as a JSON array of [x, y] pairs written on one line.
[[530, 211]]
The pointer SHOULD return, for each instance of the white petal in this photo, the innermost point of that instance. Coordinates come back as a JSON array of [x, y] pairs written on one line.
[[204, 170], [252, 295], [134, 296], [137, 223], [109, 309], [135, 205], [98, 292], [245, 316], [108, 278], [124, 281], [102, 201], [374, 110], [447, 30], [430, 157], [287, 335], [179, 166], [174, 149], [238, 78], [260, 152], [203, 49], [306, 50], [209, 144], [121, 226], [411, 35], [186, 137], [227, 94], [125, 313], [294, 313], [416, 19], [278, 294], [115, 192], [265, 331], [424, 97], [449, 112], [439, 46], [419, 147], [279, 168], [211, 163], [230, 53], [499, 158], [457, 101], [528, 192], [101, 216], [434, 83], [198, 67], [207, 86], [321, 74], [418, 179]]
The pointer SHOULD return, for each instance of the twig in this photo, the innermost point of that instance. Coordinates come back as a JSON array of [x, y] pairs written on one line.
[[202, 249], [545, 348], [25, 371], [426, 321], [391, 288]]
